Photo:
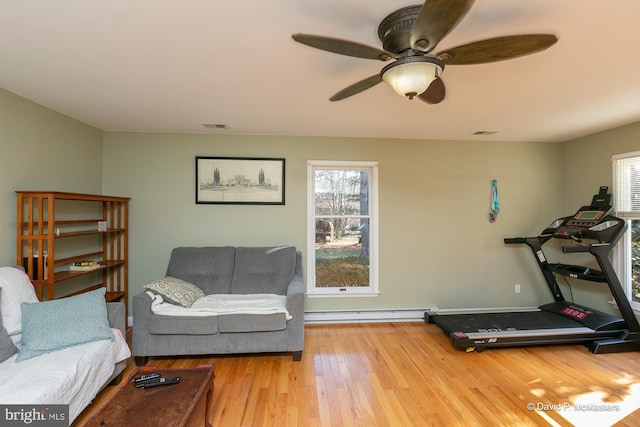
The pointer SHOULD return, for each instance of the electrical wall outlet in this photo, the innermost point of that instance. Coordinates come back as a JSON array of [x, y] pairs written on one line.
[[517, 288]]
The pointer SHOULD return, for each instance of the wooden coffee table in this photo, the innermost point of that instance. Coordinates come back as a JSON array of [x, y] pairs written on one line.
[[177, 404]]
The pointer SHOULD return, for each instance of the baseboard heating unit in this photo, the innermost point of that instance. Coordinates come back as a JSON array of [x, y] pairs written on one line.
[[317, 317], [364, 316]]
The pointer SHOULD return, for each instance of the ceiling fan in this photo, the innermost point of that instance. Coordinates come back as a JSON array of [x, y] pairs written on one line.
[[409, 36]]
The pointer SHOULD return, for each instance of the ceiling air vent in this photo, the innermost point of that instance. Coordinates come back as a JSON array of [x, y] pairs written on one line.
[[214, 125]]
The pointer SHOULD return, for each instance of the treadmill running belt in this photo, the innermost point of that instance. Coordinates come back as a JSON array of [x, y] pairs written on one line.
[[525, 320]]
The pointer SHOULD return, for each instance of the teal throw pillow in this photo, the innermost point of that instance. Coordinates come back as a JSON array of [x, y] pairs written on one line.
[[57, 324]]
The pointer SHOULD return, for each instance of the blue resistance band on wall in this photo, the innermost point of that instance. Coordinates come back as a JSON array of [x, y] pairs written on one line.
[[495, 204]]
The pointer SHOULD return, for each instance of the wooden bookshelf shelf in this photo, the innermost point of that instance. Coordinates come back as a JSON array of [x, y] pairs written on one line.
[[87, 232]]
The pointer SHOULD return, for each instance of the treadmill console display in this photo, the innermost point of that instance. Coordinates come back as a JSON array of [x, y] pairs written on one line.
[[590, 222], [580, 224], [586, 218]]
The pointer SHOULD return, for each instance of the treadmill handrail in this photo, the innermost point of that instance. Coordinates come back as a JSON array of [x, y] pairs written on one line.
[[576, 248], [511, 240], [515, 240], [582, 248]]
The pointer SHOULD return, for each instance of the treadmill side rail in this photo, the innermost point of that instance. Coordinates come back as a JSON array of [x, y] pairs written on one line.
[[482, 340], [616, 345]]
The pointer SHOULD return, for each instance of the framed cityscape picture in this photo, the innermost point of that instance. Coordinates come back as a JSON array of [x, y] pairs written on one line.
[[240, 180]]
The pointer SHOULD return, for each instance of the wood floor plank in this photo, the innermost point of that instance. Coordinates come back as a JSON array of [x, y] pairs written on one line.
[[408, 374]]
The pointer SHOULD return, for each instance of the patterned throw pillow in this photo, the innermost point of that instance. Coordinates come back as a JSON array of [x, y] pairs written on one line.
[[176, 291]]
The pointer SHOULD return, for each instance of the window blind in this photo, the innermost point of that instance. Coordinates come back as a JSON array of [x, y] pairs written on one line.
[[626, 181]]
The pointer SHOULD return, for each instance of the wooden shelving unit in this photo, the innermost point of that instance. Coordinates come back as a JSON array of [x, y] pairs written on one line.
[[41, 227]]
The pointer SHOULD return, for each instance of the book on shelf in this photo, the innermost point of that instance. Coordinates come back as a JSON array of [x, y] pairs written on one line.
[[84, 266]]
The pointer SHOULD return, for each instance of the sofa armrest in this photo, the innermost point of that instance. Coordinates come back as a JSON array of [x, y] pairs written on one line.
[[295, 297], [116, 316], [295, 290], [141, 318], [295, 307]]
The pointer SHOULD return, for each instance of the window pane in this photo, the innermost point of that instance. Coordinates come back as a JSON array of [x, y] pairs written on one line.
[[342, 258], [341, 192], [342, 245]]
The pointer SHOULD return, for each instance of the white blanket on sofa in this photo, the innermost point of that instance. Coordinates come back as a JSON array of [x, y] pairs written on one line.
[[70, 376], [218, 304]]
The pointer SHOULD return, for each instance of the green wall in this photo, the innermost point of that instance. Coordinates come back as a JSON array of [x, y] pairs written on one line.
[[437, 246], [42, 150]]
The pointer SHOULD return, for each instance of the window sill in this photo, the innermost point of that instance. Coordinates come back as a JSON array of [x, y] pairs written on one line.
[[338, 293]]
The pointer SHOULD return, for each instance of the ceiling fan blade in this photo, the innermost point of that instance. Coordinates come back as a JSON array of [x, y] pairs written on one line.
[[357, 87], [434, 93], [435, 20], [343, 47], [497, 49]]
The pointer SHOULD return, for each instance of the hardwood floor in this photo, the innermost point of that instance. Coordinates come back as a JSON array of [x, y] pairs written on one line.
[[408, 374]]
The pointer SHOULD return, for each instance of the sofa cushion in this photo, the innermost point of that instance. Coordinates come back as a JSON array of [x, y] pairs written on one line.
[[260, 270], [184, 325], [53, 325], [16, 289], [209, 268], [7, 347], [252, 322], [176, 291]]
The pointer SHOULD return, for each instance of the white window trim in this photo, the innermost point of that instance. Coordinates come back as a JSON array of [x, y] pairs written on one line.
[[621, 255], [373, 289]]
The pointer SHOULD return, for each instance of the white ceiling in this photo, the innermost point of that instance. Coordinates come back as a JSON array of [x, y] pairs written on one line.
[[169, 66]]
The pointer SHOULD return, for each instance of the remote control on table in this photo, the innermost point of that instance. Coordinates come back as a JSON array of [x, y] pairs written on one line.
[[154, 382], [146, 377]]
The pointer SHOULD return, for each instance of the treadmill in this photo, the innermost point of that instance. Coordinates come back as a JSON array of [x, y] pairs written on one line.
[[559, 322]]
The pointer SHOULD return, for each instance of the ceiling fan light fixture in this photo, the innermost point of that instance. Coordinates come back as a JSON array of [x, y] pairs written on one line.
[[412, 75]]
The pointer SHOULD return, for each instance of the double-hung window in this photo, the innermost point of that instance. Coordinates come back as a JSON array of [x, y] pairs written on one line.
[[626, 195], [342, 231]]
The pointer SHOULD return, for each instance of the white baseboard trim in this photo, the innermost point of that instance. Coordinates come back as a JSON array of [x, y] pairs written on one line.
[[364, 316], [393, 315]]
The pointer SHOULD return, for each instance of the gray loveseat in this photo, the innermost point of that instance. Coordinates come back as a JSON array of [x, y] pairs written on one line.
[[226, 270]]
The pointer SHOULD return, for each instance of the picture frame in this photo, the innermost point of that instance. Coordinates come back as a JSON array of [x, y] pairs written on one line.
[[240, 180]]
